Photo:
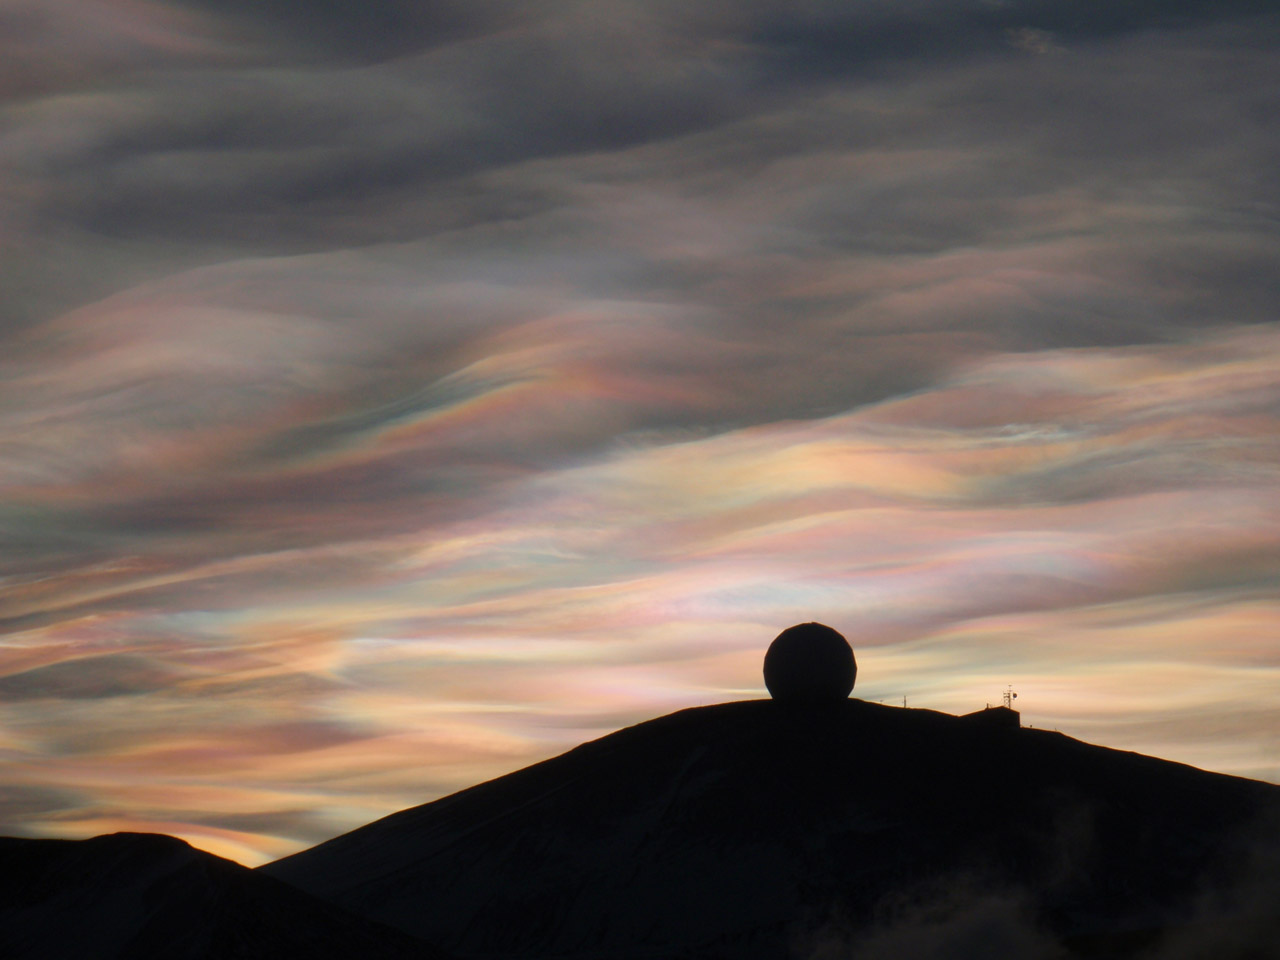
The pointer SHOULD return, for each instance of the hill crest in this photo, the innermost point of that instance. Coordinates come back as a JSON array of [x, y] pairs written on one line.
[[744, 828]]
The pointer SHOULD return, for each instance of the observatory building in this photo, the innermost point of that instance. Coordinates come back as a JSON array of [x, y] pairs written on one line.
[[809, 663]]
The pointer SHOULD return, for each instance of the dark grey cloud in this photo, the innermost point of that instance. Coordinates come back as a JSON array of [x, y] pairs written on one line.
[[89, 678], [817, 39], [351, 30], [176, 169], [19, 802], [292, 155], [811, 34]]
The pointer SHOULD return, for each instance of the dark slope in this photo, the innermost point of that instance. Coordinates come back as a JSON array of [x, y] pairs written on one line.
[[139, 895], [750, 829]]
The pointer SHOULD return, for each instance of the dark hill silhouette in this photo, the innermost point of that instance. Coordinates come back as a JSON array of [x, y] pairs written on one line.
[[851, 829], [140, 896]]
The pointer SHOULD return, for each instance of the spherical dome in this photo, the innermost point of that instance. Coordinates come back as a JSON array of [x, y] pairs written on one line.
[[809, 663]]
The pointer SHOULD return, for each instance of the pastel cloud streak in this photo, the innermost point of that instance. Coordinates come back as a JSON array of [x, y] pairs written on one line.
[[379, 416]]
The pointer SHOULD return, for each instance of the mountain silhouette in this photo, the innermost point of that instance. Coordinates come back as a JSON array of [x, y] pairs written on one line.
[[140, 896], [760, 829], [848, 829]]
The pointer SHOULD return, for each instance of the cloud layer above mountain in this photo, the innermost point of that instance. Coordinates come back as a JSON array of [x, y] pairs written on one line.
[[398, 394]]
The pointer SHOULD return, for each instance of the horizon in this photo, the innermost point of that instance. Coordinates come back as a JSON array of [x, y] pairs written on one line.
[[393, 395]]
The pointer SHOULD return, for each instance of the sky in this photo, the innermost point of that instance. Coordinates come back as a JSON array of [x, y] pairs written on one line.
[[395, 393]]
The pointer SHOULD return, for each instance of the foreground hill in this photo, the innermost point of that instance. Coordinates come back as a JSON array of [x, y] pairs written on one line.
[[145, 896], [756, 830]]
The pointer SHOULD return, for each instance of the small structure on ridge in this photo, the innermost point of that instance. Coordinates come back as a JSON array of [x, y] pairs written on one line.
[[809, 663], [1003, 716]]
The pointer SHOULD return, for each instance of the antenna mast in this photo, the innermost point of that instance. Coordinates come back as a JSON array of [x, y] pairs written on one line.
[[1009, 697]]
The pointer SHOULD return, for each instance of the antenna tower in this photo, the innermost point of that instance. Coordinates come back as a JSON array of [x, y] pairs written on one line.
[[1009, 697]]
